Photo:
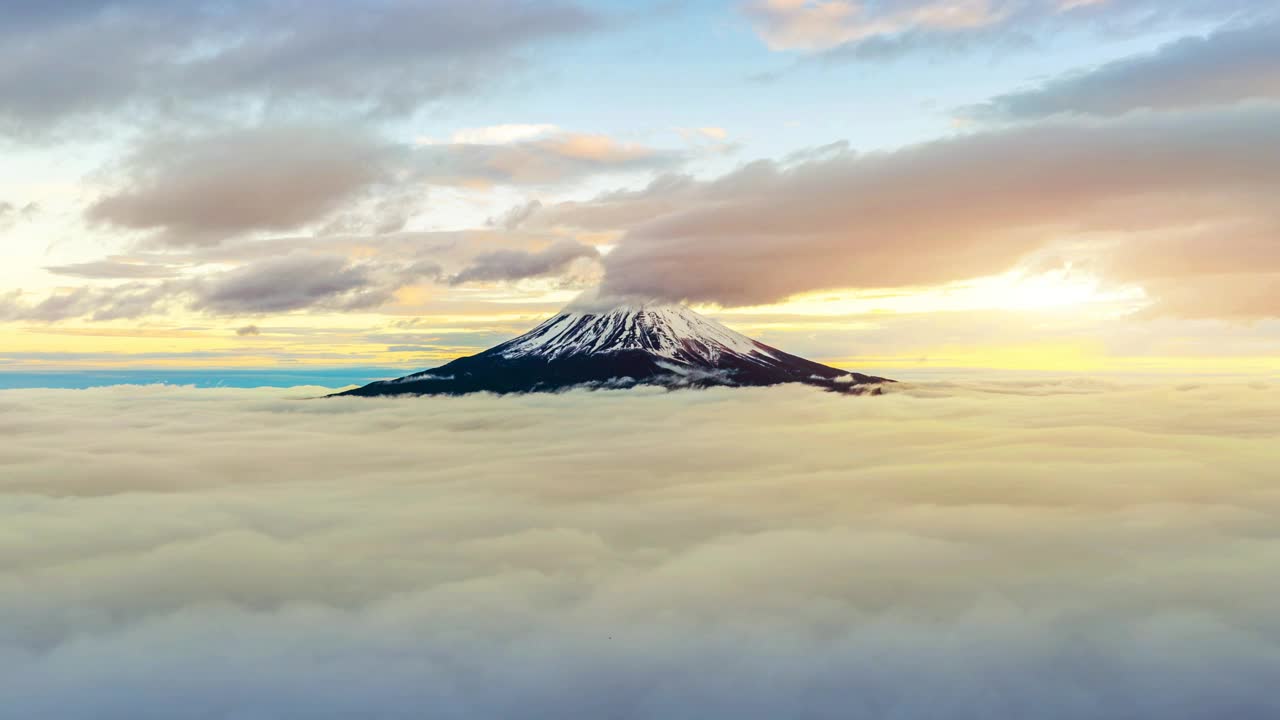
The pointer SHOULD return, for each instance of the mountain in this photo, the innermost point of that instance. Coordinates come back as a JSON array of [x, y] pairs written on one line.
[[622, 346]]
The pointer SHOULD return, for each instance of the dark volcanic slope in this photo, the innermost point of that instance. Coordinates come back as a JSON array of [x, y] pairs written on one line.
[[664, 345]]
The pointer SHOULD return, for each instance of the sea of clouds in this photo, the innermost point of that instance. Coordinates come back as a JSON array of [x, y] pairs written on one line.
[[1072, 549]]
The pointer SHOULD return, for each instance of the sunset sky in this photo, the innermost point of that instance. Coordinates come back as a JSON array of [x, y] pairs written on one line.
[[904, 187], [1032, 245]]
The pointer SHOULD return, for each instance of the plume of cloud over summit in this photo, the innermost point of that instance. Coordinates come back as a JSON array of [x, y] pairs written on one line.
[[1045, 549], [951, 209]]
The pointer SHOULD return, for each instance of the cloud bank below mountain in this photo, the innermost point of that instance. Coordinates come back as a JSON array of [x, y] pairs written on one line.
[[1052, 549]]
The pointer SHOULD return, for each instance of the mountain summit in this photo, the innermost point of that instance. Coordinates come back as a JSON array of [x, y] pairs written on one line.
[[621, 346]]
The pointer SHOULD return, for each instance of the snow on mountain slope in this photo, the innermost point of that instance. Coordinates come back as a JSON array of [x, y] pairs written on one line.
[[670, 331]]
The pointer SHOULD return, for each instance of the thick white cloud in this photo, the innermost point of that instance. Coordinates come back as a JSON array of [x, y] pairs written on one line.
[[1051, 550]]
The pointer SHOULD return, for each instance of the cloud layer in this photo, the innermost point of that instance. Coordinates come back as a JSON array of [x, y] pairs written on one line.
[[107, 58], [953, 209], [202, 189], [286, 282], [1054, 549]]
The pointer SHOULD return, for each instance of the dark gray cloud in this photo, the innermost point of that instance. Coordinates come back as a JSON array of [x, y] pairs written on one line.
[[204, 189], [125, 301], [298, 281], [304, 281], [332, 274], [114, 270], [508, 265], [549, 557], [293, 282], [53, 307], [617, 209], [248, 330], [201, 190], [946, 210], [1226, 66], [94, 58]]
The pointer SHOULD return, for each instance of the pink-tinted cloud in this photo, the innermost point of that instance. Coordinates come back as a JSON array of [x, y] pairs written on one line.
[[821, 24], [876, 29], [544, 158]]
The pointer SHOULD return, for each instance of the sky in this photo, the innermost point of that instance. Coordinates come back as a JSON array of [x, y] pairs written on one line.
[[902, 187]]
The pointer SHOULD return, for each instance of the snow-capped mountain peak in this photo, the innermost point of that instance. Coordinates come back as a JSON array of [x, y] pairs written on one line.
[[671, 331], [621, 345]]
